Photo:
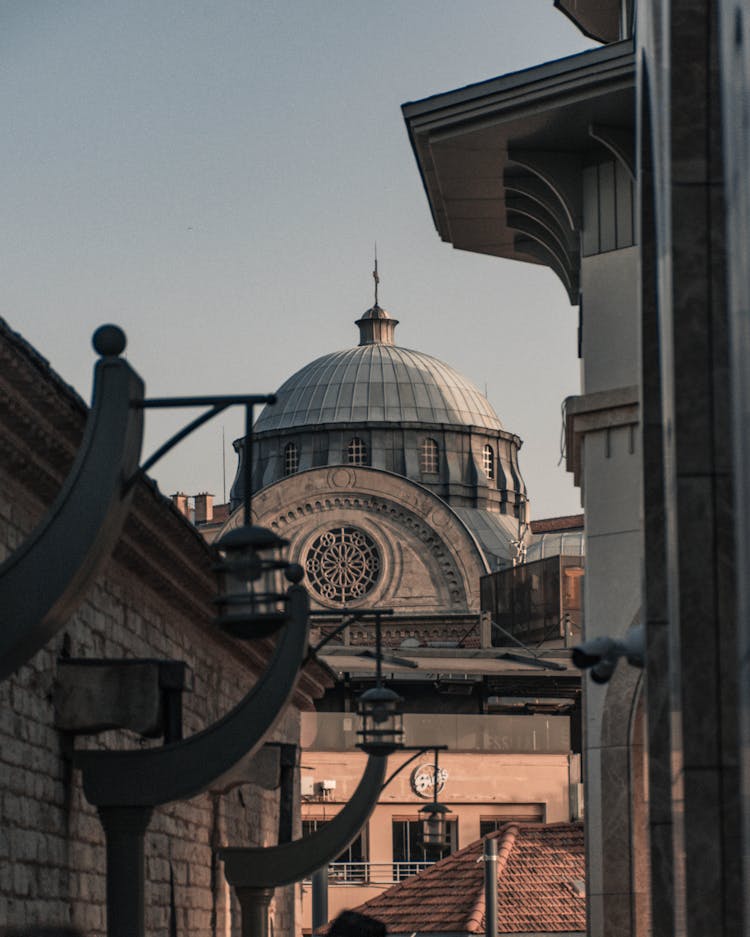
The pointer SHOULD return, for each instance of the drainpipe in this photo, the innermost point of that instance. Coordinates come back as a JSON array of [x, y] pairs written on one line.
[[490, 887], [319, 898]]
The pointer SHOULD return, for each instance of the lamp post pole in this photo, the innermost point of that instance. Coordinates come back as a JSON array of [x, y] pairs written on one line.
[[254, 904], [319, 898], [490, 886], [124, 830]]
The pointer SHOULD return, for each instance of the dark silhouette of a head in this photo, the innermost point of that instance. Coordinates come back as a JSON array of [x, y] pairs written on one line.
[[352, 924]]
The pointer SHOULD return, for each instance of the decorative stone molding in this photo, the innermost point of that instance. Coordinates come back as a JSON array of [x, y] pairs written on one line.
[[589, 413], [429, 558]]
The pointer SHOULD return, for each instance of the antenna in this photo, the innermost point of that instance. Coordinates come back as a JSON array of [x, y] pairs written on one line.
[[223, 464], [375, 276]]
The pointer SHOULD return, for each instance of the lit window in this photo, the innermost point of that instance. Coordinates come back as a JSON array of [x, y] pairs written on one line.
[[356, 452], [428, 456], [488, 462], [291, 459]]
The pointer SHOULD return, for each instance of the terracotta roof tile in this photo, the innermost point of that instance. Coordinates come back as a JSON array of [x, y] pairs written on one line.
[[539, 871], [546, 525]]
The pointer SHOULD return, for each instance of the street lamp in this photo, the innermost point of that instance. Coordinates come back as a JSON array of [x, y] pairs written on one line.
[[433, 818], [252, 570], [252, 567], [380, 710]]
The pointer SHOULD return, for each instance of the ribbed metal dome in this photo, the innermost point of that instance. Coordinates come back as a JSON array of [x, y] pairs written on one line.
[[377, 382]]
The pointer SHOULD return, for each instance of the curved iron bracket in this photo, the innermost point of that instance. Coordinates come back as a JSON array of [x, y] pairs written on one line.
[[209, 758], [259, 867], [44, 581]]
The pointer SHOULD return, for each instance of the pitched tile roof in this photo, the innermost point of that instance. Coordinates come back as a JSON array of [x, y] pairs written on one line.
[[551, 524], [539, 887]]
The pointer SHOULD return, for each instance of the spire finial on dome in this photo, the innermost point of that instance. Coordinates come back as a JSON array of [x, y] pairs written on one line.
[[376, 327]]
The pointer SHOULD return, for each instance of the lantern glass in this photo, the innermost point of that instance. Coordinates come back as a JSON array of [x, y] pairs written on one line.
[[252, 601], [434, 826], [382, 721]]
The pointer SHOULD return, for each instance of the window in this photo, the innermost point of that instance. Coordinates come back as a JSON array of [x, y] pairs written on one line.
[[518, 813], [343, 564], [488, 461], [408, 855], [351, 865], [428, 456], [291, 459], [356, 452], [492, 826]]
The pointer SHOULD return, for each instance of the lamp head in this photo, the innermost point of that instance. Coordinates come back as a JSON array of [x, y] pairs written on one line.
[[381, 713], [254, 572], [433, 820]]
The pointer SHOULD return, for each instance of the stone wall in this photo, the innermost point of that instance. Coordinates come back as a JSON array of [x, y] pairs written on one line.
[[153, 599]]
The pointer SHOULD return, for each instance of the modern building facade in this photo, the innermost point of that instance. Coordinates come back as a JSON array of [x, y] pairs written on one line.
[[624, 169]]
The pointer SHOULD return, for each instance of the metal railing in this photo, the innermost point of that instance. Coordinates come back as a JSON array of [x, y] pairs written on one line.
[[373, 873]]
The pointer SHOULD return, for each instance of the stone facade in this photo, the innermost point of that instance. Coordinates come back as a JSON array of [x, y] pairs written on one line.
[[153, 600], [427, 559]]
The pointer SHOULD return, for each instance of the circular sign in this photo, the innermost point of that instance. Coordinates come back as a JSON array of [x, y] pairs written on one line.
[[423, 780]]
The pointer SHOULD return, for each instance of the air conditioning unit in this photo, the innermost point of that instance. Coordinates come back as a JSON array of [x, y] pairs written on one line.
[[307, 786], [328, 785], [576, 801]]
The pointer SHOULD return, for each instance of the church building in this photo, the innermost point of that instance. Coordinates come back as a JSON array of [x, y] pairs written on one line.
[[390, 474], [399, 491]]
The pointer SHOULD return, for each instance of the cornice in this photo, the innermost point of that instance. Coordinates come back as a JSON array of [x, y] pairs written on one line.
[[589, 413]]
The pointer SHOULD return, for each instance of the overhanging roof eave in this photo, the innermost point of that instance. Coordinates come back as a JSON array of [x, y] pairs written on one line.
[[449, 133], [581, 65]]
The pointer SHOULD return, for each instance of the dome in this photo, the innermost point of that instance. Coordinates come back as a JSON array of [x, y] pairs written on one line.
[[377, 382]]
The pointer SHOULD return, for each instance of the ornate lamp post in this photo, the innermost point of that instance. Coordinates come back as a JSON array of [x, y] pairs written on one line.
[[83, 524], [433, 819], [79, 532], [380, 710], [252, 570], [254, 872], [74, 539]]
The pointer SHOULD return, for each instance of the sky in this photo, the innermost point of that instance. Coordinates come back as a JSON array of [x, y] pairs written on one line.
[[212, 176]]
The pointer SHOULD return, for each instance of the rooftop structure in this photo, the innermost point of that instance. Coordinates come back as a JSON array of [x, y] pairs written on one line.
[[540, 886]]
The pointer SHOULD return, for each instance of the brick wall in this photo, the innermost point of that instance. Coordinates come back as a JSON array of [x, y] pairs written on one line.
[[152, 600]]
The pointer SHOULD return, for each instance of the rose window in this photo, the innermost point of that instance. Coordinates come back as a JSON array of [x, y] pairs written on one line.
[[343, 564]]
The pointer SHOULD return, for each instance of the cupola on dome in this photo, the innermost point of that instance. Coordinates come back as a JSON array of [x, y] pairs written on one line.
[[377, 382]]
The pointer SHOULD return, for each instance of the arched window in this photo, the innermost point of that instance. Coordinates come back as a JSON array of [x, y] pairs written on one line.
[[356, 452], [291, 459], [488, 461], [428, 456]]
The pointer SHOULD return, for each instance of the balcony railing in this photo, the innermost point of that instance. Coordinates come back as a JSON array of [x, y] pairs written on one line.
[[373, 873]]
